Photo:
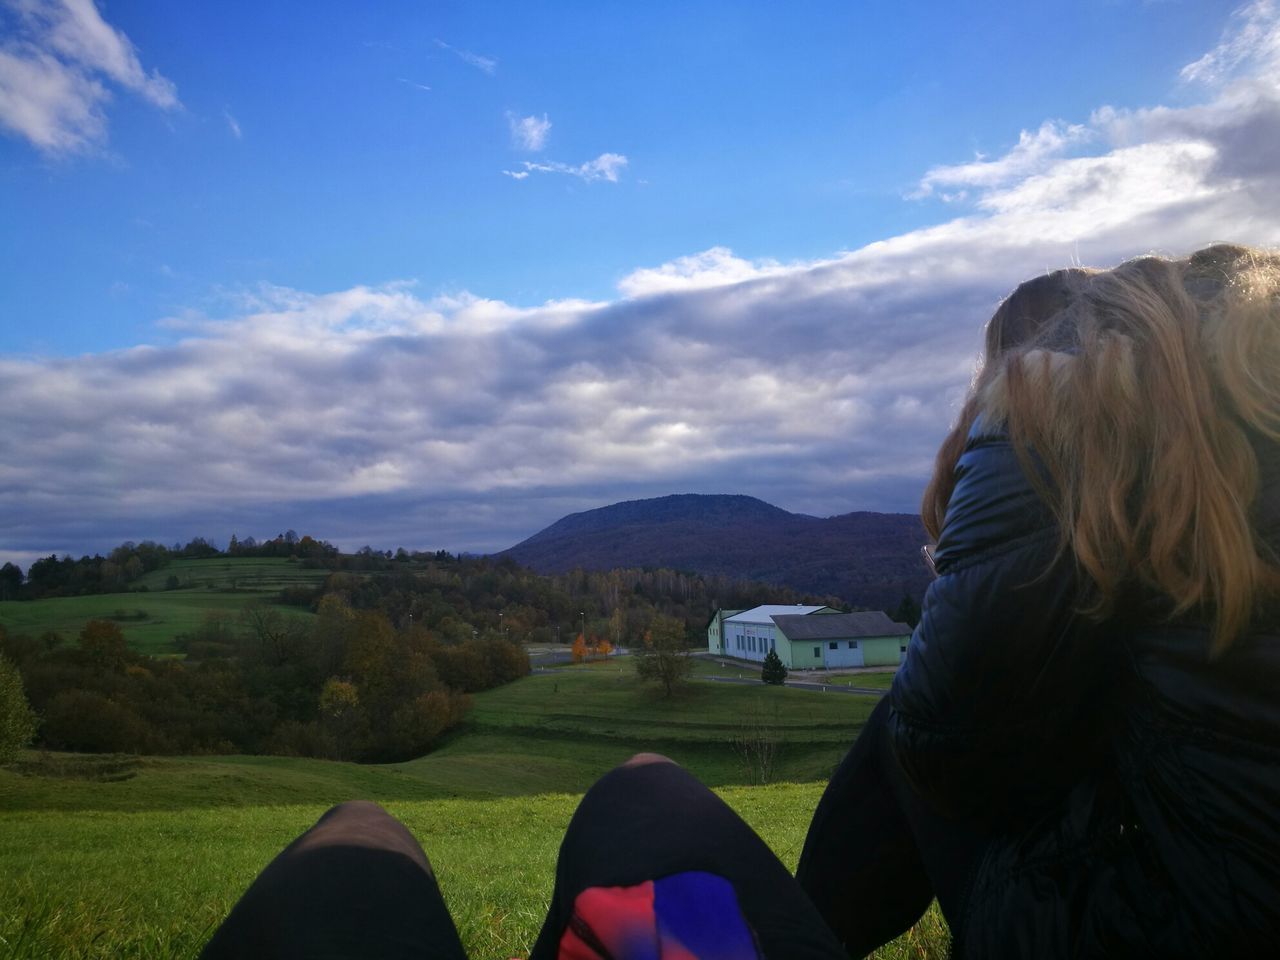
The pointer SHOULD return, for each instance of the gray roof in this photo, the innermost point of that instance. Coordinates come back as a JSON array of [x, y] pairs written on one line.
[[841, 626], [766, 611]]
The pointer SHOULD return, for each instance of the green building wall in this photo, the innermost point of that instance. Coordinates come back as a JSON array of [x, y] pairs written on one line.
[[882, 651], [802, 657]]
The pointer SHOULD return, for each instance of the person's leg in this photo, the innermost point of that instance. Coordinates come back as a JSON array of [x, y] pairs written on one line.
[[355, 885], [650, 819], [860, 864], [876, 854]]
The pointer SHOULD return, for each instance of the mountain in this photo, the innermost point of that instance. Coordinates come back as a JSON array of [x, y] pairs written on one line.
[[869, 559]]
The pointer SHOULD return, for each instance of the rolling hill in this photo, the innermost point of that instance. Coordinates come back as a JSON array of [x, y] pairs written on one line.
[[869, 559]]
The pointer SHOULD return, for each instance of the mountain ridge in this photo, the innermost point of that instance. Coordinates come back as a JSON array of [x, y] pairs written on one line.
[[870, 559]]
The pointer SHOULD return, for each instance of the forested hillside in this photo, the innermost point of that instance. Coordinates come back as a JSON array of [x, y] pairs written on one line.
[[869, 559], [371, 661]]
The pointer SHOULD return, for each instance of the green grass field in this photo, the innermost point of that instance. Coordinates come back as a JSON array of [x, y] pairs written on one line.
[[263, 575], [141, 857], [879, 680], [866, 681], [152, 620]]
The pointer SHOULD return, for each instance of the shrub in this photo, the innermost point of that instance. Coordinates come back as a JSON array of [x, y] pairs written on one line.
[[104, 642], [17, 722], [774, 671], [462, 667], [86, 721], [415, 725], [299, 596], [293, 738], [504, 661]]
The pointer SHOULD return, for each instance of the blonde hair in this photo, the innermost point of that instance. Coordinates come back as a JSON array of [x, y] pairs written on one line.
[[1138, 390]]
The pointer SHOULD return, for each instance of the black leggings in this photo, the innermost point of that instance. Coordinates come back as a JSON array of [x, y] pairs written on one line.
[[358, 885], [876, 856]]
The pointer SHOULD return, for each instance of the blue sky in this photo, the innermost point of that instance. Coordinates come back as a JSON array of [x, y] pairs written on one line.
[[434, 275]]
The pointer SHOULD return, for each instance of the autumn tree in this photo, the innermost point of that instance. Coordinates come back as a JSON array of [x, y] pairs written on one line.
[[104, 642], [341, 716], [664, 657], [579, 651]]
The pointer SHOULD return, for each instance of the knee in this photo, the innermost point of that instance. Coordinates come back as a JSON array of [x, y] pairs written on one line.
[[644, 759], [365, 810]]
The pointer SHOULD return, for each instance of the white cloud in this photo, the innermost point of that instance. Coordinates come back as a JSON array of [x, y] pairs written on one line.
[[516, 174], [1032, 153], [377, 415], [1120, 164], [57, 68], [529, 133], [484, 64], [232, 124], [711, 268], [607, 166], [1249, 48]]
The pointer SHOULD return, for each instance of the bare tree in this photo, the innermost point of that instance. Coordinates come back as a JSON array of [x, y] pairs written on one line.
[[757, 742]]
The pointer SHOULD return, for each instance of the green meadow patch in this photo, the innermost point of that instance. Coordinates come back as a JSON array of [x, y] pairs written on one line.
[[261, 575], [865, 681], [877, 680], [155, 884], [152, 619], [142, 857]]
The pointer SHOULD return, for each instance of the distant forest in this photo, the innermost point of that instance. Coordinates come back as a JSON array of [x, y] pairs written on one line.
[[385, 667], [55, 576]]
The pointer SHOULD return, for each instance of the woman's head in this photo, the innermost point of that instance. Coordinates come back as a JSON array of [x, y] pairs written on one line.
[[1138, 389], [1025, 312]]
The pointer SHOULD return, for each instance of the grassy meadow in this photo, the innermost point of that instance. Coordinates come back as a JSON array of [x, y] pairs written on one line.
[[142, 857], [126, 856], [880, 679], [152, 619]]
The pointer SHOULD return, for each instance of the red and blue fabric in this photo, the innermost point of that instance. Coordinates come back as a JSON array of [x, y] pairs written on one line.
[[686, 916]]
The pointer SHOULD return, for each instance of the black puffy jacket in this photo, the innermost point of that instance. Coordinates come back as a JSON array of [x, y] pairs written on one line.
[[1131, 783]]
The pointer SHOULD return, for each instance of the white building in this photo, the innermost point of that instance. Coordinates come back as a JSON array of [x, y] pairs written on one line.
[[808, 637], [751, 634]]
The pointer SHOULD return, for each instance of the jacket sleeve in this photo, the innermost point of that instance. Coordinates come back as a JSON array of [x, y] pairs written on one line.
[[989, 710]]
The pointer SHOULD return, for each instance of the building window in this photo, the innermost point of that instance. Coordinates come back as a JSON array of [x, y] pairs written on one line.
[[903, 648], [833, 645], [853, 644], [817, 653]]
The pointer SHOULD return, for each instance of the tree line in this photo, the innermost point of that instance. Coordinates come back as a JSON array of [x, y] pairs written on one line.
[[123, 566], [384, 666], [345, 684]]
